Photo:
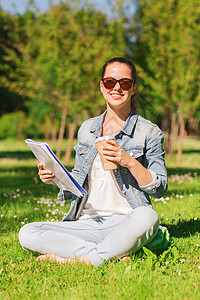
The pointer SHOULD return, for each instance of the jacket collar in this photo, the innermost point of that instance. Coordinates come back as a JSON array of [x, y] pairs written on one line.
[[127, 128]]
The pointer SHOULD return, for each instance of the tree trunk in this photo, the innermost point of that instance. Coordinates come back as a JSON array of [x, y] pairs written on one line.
[[173, 134], [193, 124], [68, 153], [53, 135], [165, 129], [181, 136], [61, 133]]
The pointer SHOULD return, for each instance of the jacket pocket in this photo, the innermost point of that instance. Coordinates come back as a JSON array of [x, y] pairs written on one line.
[[81, 149], [135, 152]]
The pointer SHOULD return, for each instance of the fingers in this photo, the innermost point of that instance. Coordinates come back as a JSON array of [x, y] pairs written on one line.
[[40, 166], [111, 145], [114, 152], [45, 175], [112, 142]]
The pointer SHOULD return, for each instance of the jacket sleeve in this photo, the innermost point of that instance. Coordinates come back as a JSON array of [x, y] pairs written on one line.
[[155, 163]]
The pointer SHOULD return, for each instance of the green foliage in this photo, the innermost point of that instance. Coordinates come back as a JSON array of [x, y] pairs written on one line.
[[61, 57], [9, 99], [169, 41], [12, 125]]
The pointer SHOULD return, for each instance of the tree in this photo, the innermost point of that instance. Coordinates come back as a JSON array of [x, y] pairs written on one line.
[[9, 100], [168, 47], [61, 56]]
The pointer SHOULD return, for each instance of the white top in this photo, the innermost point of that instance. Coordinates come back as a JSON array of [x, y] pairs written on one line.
[[104, 196]]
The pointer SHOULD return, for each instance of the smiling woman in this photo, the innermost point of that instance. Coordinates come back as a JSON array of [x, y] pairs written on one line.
[[116, 216]]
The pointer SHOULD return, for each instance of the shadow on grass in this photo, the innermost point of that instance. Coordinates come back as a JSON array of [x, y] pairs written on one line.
[[183, 171], [191, 151], [24, 155], [184, 229], [20, 155]]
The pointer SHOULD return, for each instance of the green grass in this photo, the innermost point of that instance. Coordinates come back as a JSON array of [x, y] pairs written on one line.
[[174, 274]]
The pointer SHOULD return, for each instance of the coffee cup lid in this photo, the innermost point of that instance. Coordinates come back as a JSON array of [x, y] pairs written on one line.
[[104, 138]]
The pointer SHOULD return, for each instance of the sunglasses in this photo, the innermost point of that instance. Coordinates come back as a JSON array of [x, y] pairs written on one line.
[[125, 83]]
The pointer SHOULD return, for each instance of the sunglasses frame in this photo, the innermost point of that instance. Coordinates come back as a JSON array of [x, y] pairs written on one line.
[[120, 81]]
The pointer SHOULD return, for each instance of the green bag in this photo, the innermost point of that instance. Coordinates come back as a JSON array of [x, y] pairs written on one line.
[[160, 241]]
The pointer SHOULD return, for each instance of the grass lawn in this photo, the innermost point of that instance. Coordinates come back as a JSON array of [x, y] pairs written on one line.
[[174, 274]]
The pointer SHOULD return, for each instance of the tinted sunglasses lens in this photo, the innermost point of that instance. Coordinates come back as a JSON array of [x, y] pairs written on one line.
[[109, 83], [126, 84]]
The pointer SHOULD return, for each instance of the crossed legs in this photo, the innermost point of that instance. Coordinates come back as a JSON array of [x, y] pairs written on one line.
[[91, 241]]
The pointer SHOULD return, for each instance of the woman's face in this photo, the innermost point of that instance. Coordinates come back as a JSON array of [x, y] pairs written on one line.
[[117, 98]]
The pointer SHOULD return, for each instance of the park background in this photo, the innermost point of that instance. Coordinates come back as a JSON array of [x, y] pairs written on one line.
[[51, 57]]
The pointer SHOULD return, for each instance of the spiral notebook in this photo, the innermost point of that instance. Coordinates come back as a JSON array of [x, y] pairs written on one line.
[[64, 180]]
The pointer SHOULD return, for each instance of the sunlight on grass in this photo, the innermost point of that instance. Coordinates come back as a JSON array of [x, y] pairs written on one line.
[[173, 274]]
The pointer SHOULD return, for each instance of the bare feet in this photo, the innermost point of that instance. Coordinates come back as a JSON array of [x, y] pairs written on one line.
[[61, 260], [125, 258]]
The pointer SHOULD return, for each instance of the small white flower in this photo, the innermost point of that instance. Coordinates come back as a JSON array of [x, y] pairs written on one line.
[[36, 208], [22, 223], [2, 216], [128, 269], [15, 216], [28, 201], [197, 245], [179, 272], [62, 204], [191, 195], [199, 267], [167, 262], [181, 196], [182, 260]]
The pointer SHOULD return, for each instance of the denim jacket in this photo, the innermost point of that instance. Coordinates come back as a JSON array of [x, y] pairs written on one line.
[[139, 138]]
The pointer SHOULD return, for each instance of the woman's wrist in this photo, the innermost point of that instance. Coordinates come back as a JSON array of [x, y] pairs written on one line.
[[131, 163]]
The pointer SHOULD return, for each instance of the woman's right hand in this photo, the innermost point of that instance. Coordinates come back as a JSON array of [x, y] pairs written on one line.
[[45, 175]]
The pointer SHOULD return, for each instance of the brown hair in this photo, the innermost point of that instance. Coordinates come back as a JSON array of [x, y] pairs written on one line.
[[133, 72]]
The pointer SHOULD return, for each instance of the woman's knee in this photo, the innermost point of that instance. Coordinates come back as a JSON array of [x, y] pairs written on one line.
[[144, 219], [25, 234]]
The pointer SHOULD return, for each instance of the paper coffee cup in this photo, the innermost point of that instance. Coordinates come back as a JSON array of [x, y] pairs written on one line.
[[102, 142]]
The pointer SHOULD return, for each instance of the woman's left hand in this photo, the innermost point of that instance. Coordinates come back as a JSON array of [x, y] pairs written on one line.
[[114, 152]]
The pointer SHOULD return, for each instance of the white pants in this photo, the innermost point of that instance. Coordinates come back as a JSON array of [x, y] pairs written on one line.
[[100, 238]]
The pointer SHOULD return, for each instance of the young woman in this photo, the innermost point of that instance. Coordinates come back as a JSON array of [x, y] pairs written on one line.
[[116, 216]]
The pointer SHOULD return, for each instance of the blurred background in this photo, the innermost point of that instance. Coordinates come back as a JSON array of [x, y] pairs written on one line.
[[52, 53]]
